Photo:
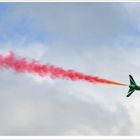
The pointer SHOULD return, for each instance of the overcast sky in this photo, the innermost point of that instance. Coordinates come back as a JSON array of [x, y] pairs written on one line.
[[100, 39]]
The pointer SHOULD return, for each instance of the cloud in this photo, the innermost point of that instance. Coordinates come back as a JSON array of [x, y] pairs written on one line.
[[84, 23], [38, 106]]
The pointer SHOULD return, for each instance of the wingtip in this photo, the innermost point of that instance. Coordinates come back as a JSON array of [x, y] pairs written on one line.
[[128, 95]]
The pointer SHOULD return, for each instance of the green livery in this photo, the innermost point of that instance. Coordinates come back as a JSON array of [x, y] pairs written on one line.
[[133, 86]]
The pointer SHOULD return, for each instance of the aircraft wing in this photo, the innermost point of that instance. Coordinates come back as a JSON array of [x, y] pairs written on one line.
[[132, 81], [130, 92]]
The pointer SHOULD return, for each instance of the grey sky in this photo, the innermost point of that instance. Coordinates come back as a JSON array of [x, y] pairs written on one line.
[[100, 39]]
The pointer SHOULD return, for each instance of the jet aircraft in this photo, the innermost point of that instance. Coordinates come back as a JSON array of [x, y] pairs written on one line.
[[133, 86]]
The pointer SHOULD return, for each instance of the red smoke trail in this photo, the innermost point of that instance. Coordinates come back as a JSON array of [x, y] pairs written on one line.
[[22, 65]]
